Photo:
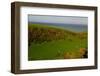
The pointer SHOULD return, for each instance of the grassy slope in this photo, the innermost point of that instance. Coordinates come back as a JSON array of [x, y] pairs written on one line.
[[56, 49]]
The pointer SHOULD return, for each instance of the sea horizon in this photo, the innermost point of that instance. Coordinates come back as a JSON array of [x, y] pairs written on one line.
[[71, 27]]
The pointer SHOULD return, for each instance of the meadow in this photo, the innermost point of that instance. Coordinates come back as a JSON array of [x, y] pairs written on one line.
[[51, 42]]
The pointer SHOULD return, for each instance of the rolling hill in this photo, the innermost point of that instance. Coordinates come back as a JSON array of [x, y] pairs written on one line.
[[52, 42]]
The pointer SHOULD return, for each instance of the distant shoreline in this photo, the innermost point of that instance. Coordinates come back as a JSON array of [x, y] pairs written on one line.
[[72, 27]]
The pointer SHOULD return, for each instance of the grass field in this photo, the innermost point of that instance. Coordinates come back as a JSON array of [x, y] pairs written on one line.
[[48, 43]]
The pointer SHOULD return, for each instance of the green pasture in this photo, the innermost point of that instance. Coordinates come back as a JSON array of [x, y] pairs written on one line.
[[46, 48]]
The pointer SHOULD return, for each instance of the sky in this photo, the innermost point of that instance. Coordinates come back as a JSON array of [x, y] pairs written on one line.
[[58, 19]]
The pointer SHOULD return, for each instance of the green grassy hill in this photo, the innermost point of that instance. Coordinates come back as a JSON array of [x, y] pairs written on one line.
[[46, 43]]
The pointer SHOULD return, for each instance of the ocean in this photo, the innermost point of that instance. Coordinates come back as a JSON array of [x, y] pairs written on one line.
[[70, 27]]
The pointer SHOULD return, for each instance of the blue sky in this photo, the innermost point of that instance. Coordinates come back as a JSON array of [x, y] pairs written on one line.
[[58, 19]]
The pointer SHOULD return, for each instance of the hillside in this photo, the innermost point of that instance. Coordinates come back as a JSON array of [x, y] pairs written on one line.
[[48, 42]]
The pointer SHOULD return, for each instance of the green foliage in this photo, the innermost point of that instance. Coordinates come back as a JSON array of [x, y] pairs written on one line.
[[47, 42], [39, 34]]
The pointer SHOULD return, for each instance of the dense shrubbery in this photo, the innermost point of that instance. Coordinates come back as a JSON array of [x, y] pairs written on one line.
[[39, 35], [82, 53]]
